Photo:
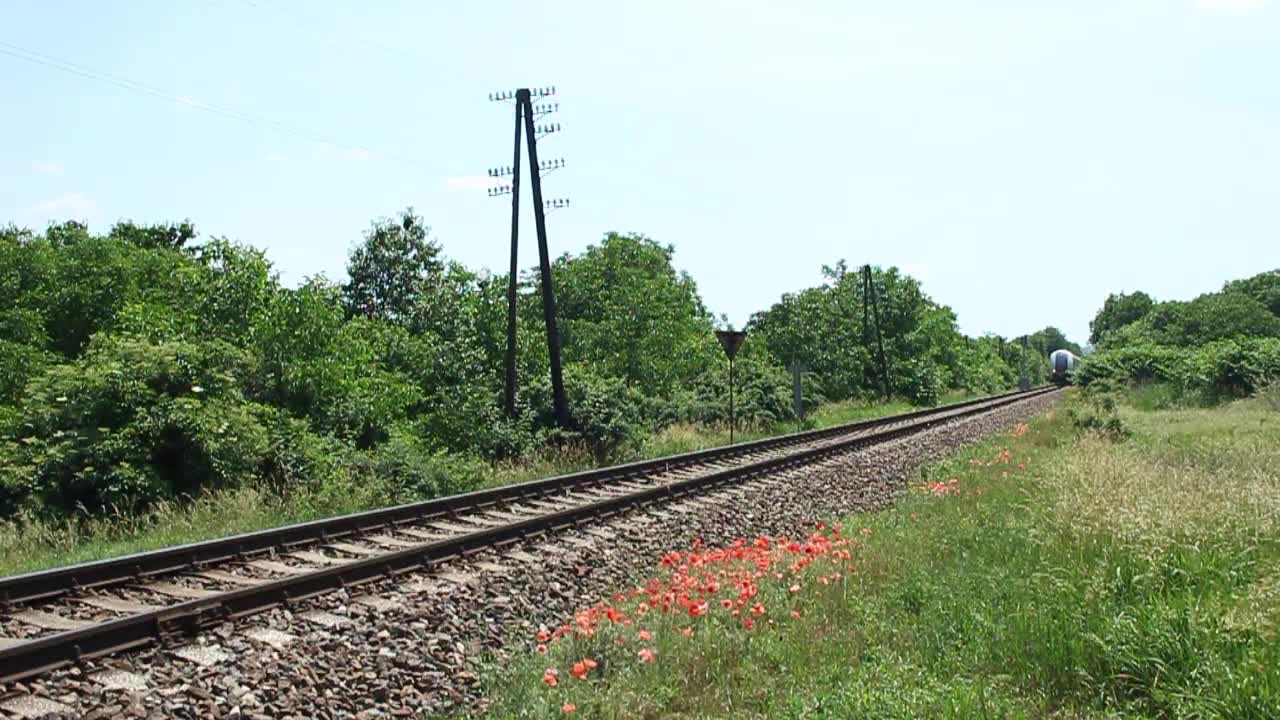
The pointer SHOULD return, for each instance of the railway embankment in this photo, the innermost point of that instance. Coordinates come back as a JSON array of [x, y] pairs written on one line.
[[1095, 561], [416, 642]]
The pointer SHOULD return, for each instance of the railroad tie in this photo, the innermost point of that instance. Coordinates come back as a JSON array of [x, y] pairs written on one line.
[[48, 621]]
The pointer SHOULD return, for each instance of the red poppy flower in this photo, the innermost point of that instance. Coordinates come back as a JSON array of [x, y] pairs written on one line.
[[541, 649], [687, 632], [646, 655], [747, 623], [568, 707], [579, 670], [591, 664], [795, 614], [645, 635], [543, 635], [549, 677]]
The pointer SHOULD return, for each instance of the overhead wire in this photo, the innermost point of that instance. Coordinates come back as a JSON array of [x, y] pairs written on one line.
[[67, 66]]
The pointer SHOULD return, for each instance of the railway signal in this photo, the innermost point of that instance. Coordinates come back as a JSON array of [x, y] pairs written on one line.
[[525, 115], [731, 340]]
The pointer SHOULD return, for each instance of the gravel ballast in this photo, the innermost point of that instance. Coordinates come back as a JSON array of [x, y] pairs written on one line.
[[407, 647]]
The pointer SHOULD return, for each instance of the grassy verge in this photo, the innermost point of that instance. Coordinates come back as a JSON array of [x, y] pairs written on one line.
[[29, 546], [1050, 573]]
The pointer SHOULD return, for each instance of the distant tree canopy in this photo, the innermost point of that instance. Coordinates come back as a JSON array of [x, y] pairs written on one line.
[[1243, 309], [1049, 339], [1263, 287], [146, 364], [1217, 346], [830, 330], [1119, 310]]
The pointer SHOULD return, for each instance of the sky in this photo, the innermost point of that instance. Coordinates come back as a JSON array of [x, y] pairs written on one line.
[[1022, 159]]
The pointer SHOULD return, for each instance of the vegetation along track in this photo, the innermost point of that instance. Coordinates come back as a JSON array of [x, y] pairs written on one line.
[[56, 617]]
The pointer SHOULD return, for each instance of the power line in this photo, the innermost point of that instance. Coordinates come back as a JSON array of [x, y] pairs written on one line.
[[67, 66]]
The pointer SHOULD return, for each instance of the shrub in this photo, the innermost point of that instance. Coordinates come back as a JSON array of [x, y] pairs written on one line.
[[131, 422], [920, 381], [604, 412], [1096, 413], [1212, 373], [406, 469]]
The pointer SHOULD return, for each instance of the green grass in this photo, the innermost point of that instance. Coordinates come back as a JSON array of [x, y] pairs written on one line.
[[33, 545], [1082, 578]]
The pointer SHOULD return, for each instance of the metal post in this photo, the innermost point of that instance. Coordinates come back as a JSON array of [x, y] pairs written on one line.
[[511, 280], [731, 340], [544, 261]]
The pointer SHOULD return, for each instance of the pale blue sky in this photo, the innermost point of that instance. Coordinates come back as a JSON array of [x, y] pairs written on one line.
[[1022, 158]]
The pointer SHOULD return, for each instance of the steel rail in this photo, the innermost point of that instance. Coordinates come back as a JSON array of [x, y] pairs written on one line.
[[44, 654], [45, 584]]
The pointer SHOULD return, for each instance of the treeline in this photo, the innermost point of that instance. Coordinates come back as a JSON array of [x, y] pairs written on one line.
[[141, 365], [1219, 346]]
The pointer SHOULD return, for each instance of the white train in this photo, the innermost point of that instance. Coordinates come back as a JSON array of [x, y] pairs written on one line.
[[1062, 365]]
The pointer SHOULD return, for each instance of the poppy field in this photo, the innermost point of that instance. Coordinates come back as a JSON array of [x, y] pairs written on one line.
[[1042, 573]]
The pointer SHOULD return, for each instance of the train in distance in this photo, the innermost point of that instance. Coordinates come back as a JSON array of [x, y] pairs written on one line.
[[1062, 365]]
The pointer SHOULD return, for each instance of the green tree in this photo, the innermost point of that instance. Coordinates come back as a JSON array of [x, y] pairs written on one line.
[[130, 422], [1263, 287], [1213, 316], [1117, 311], [626, 311], [389, 271], [166, 236]]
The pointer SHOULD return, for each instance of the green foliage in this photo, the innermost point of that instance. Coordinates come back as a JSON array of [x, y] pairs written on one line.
[[1270, 395], [131, 422], [1097, 413], [1050, 339], [1210, 317], [830, 329], [168, 236], [303, 390], [605, 413], [1217, 371], [391, 268], [1118, 311], [407, 469], [1263, 287], [624, 309]]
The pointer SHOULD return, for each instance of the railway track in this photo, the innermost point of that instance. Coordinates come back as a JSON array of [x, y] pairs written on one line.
[[58, 617]]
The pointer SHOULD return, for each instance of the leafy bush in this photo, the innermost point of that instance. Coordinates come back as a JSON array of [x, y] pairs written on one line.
[[762, 393], [921, 382], [1096, 413], [604, 413], [1208, 318], [406, 469], [1217, 371], [131, 422]]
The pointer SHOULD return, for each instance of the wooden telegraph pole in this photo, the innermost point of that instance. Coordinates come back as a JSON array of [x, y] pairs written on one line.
[[526, 113]]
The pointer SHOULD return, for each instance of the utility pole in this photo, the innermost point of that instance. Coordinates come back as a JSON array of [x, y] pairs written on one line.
[[526, 114], [1024, 382], [512, 279], [870, 298]]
